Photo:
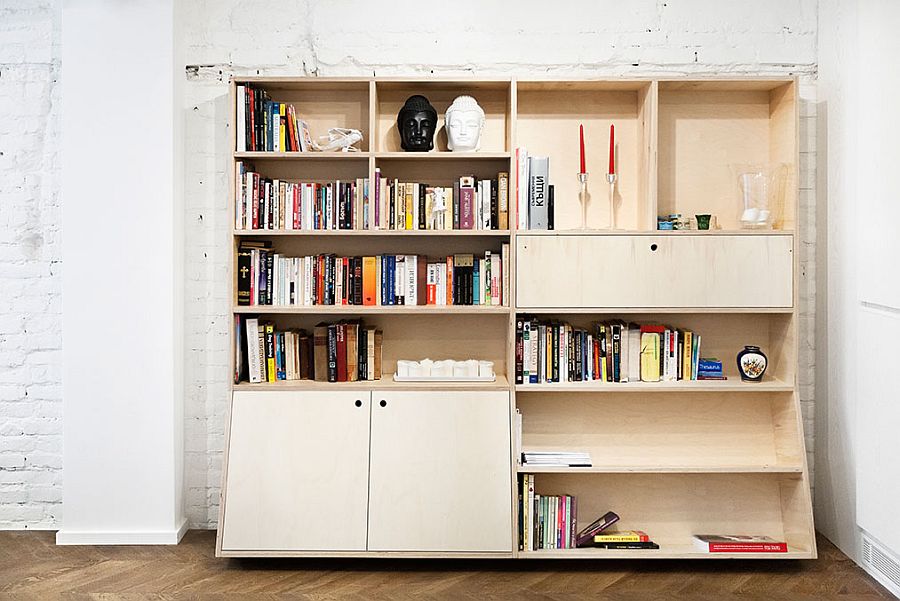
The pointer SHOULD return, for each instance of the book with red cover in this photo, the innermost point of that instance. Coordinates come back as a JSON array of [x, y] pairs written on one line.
[[341, 331], [585, 538], [738, 543]]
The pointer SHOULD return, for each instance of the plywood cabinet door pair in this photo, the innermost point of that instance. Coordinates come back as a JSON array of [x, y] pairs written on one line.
[[368, 471]]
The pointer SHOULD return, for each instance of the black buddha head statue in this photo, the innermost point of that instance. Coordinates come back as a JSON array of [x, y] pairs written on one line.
[[417, 122]]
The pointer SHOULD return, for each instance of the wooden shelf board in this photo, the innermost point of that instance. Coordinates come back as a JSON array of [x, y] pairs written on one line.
[[370, 310], [386, 383], [654, 232], [664, 552], [664, 469], [625, 310], [442, 155], [304, 156], [411, 233], [733, 384]]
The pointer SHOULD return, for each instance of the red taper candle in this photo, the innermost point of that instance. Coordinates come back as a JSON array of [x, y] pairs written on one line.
[[581, 139], [612, 148]]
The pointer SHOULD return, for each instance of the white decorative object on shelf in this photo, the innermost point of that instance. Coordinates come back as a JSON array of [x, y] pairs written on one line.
[[464, 121], [339, 138], [446, 370]]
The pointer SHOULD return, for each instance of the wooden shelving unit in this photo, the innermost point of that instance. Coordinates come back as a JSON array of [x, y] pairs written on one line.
[[387, 469]]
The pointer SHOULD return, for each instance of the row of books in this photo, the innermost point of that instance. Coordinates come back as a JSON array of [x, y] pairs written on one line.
[[616, 351], [469, 204], [546, 521], [266, 277], [347, 351], [534, 192], [265, 125], [274, 204]]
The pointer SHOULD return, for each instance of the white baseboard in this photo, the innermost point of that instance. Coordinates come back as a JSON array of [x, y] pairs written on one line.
[[154, 537]]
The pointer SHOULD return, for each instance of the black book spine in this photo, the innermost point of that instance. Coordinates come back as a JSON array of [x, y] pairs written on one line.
[[422, 219], [342, 206], [357, 281], [243, 284], [248, 119], [270, 268], [362, 342], [555, 350], [470, 284], [578, 351], [332, 353], [347, 293], [550, 206], [520, 350], [495, 206]]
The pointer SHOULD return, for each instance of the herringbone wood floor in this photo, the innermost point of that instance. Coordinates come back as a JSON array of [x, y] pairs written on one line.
[[32, 567]]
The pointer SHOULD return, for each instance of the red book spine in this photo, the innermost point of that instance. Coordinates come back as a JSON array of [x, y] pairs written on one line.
[[341, 332], [296, 202], [748, 547], [255, 201]]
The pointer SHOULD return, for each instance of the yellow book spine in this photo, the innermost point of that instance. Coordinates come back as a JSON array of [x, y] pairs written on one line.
[[283, 129], [270, 360], [686, 358]]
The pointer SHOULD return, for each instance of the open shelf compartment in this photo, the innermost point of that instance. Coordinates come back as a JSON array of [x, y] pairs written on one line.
[[706, 127], [549, 113], [672, 508], [666, 431]]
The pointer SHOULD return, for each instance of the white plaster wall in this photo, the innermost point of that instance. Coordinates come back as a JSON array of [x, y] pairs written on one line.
[[579, 38]]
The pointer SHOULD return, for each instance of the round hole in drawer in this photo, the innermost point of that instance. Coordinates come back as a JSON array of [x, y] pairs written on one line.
[[653, 247], [358, 403]]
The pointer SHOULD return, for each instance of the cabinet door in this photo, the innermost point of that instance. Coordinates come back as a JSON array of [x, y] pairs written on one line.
[[652, 271], [297, 471], [440, 472]]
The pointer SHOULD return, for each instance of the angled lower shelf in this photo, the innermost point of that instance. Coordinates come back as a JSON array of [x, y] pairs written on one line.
[[732, 384], [654, 232], [374, 310], [399, 233], [386, 383], [648, 310], [663, 469], [664, 552]]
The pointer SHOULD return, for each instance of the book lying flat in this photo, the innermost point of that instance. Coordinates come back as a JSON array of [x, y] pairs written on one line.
[[738, 543], [556, 458], [623, 536], [627, 545]]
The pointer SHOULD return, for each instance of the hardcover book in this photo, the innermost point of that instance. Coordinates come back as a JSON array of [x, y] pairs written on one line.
[[538, 192], [738, 543]]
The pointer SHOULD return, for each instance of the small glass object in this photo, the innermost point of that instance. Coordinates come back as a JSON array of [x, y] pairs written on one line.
[[761, 194]]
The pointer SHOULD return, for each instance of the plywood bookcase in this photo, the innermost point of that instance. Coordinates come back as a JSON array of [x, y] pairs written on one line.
[[338, 469]]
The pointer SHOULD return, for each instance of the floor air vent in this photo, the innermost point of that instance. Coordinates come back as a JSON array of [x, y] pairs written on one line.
[[881, 565]]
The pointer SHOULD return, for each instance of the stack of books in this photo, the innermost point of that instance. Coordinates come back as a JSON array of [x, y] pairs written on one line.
[[275, 204], [710, 369], [534, 193], [469, 204], [347, 351], [546, 521], [556, 458], [266, 277], [266, 125], [615, 351]]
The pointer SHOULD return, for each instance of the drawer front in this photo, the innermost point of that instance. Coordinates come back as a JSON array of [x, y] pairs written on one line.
[[646, 271]]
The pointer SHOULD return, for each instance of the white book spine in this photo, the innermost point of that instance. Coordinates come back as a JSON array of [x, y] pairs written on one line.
[[253, 360], [412, 285], [241, 119], [486, 204]]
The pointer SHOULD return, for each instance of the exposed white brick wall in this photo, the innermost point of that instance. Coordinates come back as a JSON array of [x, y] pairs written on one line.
[[30, 264], [581, 38]]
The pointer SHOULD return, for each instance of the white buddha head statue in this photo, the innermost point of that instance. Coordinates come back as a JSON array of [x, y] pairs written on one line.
[[464, 121]]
